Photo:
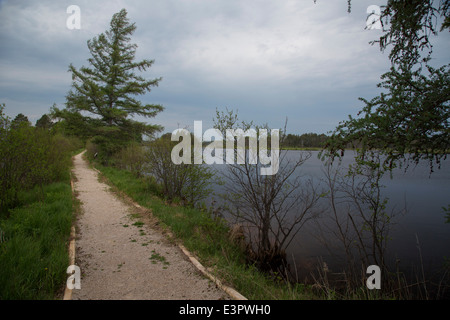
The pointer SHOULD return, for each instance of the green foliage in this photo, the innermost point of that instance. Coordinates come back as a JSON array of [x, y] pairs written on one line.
[[35, 216], [91, 150], [72, 123], [44, 122], [131, 158], [447, 213], [409, 120], [102, 99], [20, 120], [187, 182], [33, 251], [30, 156], [411, 25]]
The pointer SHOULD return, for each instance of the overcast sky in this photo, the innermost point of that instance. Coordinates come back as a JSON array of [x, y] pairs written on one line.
[[268, 59]]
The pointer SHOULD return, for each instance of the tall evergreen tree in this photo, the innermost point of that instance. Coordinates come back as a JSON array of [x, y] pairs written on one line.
[[103, 95], [19, 120], [44, 122]]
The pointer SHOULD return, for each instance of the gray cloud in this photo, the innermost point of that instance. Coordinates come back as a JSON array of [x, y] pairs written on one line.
[[269, 59]]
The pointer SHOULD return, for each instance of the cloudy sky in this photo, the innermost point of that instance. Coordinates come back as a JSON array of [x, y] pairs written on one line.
[[269, 59]]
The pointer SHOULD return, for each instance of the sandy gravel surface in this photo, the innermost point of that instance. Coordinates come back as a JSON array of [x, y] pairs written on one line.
[[122, 259]]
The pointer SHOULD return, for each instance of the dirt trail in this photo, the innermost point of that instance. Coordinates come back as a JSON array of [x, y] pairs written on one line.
[[122, 259]]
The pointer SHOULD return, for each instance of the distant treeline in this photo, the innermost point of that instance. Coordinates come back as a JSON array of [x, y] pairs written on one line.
[[306, 140]]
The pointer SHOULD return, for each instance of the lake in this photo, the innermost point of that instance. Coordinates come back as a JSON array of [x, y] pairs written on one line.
[[424, 196]]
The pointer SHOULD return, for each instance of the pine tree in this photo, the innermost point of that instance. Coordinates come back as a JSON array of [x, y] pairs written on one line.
[[103, 95], [20, 120], [410, 120], [44, 122]]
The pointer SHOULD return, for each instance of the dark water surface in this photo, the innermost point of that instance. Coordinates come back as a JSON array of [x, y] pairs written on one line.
[[420, 232]]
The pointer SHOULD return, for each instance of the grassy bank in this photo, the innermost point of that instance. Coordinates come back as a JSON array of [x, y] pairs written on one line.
[[33, 244], [206, 237]]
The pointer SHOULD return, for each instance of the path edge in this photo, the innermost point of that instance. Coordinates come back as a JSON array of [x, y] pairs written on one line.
[[67, 291]]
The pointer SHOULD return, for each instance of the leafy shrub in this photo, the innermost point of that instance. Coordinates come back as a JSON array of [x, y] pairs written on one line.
[[91, 149], [131, 158], [187, 182], [30, 156]]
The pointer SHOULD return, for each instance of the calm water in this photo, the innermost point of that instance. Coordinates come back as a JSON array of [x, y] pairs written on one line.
[[424, 196]]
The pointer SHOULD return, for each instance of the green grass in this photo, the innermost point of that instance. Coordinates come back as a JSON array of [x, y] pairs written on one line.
[[156, 257], [33, 251], [207, 239]]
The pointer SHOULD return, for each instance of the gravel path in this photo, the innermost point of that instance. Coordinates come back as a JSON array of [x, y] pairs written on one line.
[[120, 258]]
